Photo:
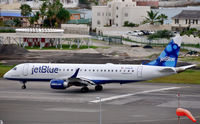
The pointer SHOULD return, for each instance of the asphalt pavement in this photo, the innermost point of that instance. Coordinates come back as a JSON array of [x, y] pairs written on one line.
[[135, 103]]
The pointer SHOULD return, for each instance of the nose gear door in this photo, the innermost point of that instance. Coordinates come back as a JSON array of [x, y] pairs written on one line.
[[25, 69]]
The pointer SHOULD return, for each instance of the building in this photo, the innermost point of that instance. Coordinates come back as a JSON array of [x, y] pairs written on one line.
[[35, 4], [185, 20], [7, 15], [151, 3], [117, 12]]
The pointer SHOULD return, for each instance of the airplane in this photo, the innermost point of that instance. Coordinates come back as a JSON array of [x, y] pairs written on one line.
[[62, 76]]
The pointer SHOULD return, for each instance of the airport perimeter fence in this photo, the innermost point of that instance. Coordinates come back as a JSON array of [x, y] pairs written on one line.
[[144, 40], [110, 39], [188, 41]]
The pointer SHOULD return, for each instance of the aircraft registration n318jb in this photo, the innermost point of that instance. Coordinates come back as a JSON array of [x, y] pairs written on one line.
[[62, 76]]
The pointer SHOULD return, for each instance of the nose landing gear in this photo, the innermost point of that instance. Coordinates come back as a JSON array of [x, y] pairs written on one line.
[[24, 85]]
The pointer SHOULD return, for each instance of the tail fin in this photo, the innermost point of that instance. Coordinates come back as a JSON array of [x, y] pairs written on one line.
[[170, 54]]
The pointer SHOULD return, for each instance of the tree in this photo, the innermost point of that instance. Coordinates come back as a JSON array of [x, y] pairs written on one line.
[[62, 16], [31, 20], [25, 10], [17, 22], [36, 17], [152, 17], [50, 15], [161, 18], [43, 9]]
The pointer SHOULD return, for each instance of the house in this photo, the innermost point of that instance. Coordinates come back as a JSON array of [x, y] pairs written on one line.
[[151, 3], [75, 15], [14, 14], [185, 20], [117, 12]]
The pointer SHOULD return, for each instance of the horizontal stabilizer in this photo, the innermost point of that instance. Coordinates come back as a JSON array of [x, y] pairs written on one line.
[[183, 68]]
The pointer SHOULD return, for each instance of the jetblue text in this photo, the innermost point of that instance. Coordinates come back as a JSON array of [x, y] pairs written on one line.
[[44, 69]]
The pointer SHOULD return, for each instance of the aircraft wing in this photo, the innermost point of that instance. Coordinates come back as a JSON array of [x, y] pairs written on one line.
[[79, 81]]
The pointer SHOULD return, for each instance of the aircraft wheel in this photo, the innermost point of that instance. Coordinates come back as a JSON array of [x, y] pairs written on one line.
[[23, 86], [84, 89], [98, 88]]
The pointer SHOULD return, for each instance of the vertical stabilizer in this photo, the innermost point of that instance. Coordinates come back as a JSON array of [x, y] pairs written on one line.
[[169, 56]]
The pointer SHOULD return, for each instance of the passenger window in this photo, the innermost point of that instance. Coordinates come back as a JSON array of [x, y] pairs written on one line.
[[132, 70], [85, 69], [71, 69]]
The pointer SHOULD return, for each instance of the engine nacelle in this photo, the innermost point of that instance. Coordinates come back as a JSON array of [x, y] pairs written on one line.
[[58, 84]]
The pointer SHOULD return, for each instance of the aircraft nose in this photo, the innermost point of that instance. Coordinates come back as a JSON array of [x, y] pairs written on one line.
[[5, 75]]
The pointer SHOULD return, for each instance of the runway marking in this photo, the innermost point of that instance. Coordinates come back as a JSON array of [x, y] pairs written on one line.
[[132, 94]]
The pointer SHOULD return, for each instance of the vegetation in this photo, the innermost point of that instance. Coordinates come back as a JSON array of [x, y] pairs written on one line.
[[4, 69], [55, 13], [17, 22], [153, 18], [7, 31], [161, 18], [52, 14], [130, 24], [191, 31], [161, 34], [26, 10]]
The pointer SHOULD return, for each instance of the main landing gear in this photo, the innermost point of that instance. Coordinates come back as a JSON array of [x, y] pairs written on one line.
[[98, 88], [24, 85], [85, 89]]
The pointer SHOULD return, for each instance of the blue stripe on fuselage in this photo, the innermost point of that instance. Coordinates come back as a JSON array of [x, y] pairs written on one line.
[[95, 81]]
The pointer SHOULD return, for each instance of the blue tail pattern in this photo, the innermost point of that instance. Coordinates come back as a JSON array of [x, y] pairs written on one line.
[[168, 57]]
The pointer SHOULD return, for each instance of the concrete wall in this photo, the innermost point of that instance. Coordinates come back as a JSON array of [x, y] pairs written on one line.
[[75, 29]]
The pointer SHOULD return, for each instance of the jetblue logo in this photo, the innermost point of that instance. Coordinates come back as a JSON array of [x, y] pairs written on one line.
[[167, 58], [44, 69]]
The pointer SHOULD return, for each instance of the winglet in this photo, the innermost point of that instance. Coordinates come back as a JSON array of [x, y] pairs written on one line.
[[75, 74]]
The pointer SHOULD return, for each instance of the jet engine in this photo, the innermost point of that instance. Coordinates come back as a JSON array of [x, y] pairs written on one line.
[[59, 84]]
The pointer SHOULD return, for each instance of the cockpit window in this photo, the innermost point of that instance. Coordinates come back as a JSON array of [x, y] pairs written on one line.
[[15, 68]]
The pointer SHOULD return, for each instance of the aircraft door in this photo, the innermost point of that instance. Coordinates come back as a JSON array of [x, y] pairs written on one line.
[[139, 72], [25, 69]]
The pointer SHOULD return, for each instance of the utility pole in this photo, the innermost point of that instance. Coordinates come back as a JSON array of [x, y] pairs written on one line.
[[100, 114]]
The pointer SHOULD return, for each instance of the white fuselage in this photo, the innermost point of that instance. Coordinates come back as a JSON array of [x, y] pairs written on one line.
[[98, 73]]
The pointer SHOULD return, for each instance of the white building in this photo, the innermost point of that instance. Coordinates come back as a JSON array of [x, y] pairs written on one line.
[[117, 12]]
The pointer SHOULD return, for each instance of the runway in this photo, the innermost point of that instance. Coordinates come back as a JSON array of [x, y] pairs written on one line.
[[136, 103]]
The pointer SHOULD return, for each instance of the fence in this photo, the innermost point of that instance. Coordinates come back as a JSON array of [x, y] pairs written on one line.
[[185, 40]]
